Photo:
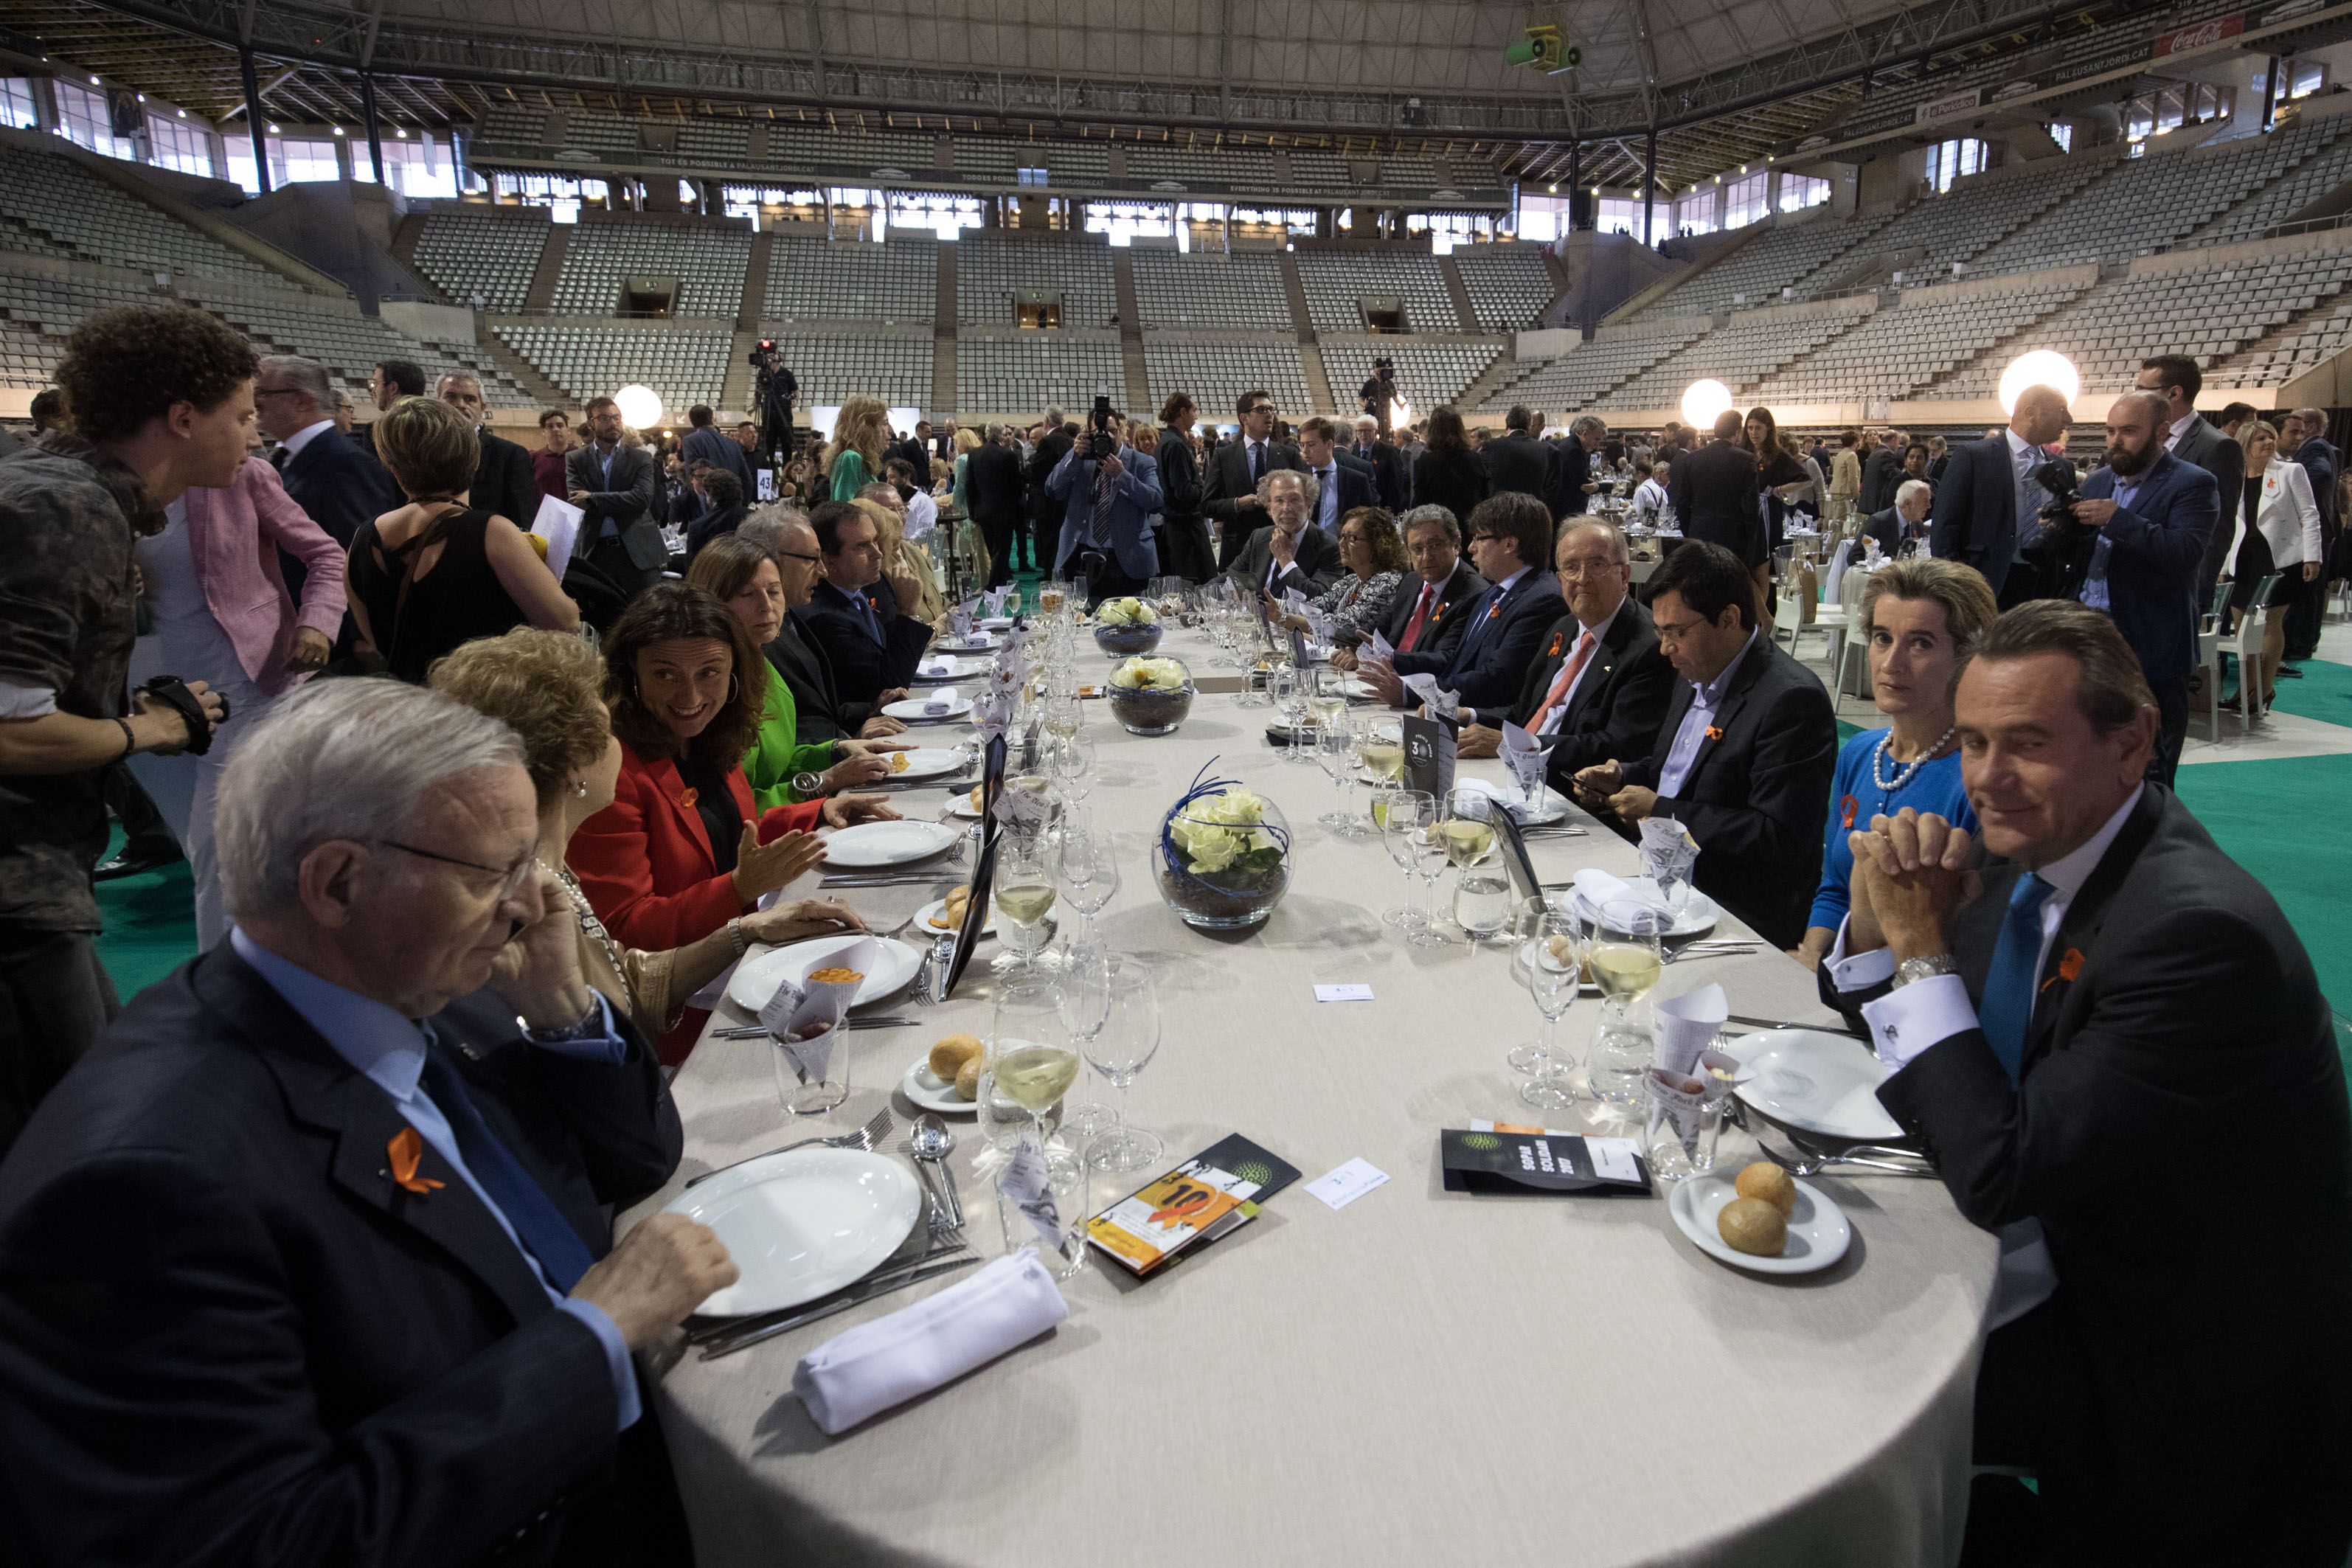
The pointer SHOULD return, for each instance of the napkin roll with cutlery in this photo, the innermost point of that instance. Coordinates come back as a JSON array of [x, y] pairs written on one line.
[[859, 1374]]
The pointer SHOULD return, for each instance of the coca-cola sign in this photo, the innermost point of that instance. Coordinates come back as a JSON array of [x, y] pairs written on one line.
[[2183, 40]]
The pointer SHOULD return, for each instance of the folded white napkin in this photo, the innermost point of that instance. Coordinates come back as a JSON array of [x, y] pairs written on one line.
[[1599, 890], [1380, 649], [936, 664], [858, 1375], [1669, 851], [1437, 703], [1683, 1027], [1527, 756], [941, 701]]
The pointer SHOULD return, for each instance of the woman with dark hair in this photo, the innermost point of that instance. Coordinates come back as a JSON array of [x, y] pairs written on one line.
[[682, 849], [1449, 474], [1372, 551], [741, 574], [1781, 477], [1184, 547]]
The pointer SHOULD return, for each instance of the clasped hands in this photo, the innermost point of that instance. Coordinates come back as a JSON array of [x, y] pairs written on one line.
[[1912, 874]]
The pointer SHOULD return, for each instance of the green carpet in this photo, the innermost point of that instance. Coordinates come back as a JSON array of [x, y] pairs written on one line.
[[2325, 692]]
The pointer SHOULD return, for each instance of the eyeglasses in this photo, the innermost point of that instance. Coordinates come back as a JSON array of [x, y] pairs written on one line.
[[1574, 571], [511, 877], [1674, 634], [799, 555]]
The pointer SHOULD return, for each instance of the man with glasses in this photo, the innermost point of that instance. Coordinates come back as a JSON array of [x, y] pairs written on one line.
[[1230, 496], [324, 1215], [1288, 554], [1503, 629], [1422, 617], [614, 484], [1745, 755], [1600, 687], [504, 484], [785, 533], [872, 637]]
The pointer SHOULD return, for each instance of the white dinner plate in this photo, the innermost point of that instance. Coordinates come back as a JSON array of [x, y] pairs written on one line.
[[1816, 1082], [1550, 804], [1818, 1232], [937, 910], [1698, 917], [924, 1087], [801, 1223], [957, 670], [962, 806], [915, 710], [871, 843], [979, 642], [755, 979], [923, 762]]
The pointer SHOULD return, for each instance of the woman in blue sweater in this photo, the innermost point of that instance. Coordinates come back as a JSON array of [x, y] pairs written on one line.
[[1921, 616]]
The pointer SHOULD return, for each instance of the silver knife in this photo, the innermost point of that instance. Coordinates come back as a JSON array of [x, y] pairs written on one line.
[[729, 1347]]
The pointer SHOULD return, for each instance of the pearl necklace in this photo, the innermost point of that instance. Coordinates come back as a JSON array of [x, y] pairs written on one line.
[[1903, 775]]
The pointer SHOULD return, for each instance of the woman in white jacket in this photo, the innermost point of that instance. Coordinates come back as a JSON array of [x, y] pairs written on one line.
[[2275, 528]]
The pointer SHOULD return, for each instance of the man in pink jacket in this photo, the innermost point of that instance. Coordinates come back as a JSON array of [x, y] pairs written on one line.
[[221, 613]]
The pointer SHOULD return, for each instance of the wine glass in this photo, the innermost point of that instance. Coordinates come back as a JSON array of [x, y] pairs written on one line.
[[1084, 1008], [1284, 685], [1063, 718], [1402, 815], [1074, 768], [1024, 891], [1431, 856], [1027, 1007], [1088, 871], [1128, 1040], [1383, 751], [1326, 693], [1628, 952], [1335, 747], [1526, 926], [1554, 961]]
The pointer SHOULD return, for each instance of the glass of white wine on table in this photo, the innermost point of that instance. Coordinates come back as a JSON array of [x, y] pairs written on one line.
[[1481, 890], [1552, 958], [1023, 892], [1627, 954], [1383, 752], [1032, 1063]]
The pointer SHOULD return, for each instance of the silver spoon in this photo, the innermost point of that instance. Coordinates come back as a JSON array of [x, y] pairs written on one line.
[[933, 1144]]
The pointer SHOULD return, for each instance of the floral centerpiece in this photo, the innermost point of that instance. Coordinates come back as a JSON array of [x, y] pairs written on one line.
[[1223, 861], [1126, 625], [1151, 696]]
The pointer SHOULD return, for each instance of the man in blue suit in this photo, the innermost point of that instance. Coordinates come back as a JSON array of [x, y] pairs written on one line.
[[1511, 542], [1108, 492], [1988, 504], [328, 474], [706, 444], [2153, 512]]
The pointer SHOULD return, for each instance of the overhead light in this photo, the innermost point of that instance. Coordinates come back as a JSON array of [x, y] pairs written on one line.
[[641, 406], [2039, 367], [1703, 401], [1553, 187], [93, 81], [182, 113], [273, 131], [142, 97], [401, 132], [338, 131]]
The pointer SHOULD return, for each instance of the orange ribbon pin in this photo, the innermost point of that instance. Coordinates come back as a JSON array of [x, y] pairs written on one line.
[[2070, 965], [689, 798], [406, 1148], [1715, 732], [1553, 651]]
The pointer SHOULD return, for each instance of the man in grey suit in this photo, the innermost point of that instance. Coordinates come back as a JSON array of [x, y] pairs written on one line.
[[613, 484]]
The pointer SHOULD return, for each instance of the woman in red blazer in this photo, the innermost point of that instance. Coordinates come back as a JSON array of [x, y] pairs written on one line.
[[682, 850]]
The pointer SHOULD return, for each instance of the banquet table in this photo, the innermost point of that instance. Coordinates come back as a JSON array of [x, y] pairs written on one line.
[[1420, 1375]]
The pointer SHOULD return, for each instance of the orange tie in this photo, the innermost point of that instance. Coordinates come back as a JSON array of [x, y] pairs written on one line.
[[1567, 674]]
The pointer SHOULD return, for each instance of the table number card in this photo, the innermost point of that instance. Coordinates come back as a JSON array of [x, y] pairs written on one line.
[[1422, 762]]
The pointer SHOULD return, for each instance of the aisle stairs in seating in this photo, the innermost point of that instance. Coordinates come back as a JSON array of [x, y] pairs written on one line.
[[541, 295], [1136, 392], [943, 331], [1462, 306]]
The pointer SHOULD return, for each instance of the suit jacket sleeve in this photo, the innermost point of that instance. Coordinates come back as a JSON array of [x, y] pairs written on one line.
[[2228, 472], [2178, 539], [351, 489], [1139, 483], [506, 485], [1214, 502], [1180, 477], [2191, 991], [290, 529], [1954, 535], [1781, 820], [609, 855], [634, 498], [164, 1356], [1503, 658]]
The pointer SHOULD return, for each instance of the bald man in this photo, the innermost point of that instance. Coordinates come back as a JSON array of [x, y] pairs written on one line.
[[1988, 509]]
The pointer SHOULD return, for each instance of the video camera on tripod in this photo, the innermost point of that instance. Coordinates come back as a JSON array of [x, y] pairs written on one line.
[[772, 392]]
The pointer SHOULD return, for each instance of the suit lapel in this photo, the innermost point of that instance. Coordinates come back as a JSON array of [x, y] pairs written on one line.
[[326, 1093], [2085, 916], [670, 785], [1605, 658], [1751, 669]]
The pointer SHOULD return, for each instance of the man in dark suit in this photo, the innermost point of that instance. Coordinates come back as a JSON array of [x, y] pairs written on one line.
[[1989, 505], [727, 512], [1600, 687], [992, 494], [873, 642], [2153, 513], [706, 443], [1058, 436], [2097, 982], [2175, 381], [1746, 754], [1519, 461], [1343, 482], [328, 475], [1904, 522], [503, 481], [615, 485], [800, 660], [1289, 554], [916, 450], [1423, 617], [1385, 461], [1883, 472], [1715, 492], [1502, 629], [2309, 446], [1229, 492], [308, 1261], [1572, 484]]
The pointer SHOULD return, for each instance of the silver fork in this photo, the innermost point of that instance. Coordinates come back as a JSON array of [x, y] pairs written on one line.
[[1708, 950], [877, 1127]]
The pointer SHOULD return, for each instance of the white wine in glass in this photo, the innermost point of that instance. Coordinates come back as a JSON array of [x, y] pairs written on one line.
[[1027, 902], [1624, 970], [1384, 754], [1466, 842], [1035, 1077]]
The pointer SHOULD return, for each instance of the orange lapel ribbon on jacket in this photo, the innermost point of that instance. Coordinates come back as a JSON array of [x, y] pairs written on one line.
[[689, 798], [1715, 731], [2070, 965], [1848, 809], [406, 1148], [1553, 651]]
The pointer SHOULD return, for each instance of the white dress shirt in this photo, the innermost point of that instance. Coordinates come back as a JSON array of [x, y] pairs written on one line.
[[922, 515], [1547, 722], [293, 446], [1704, 700]]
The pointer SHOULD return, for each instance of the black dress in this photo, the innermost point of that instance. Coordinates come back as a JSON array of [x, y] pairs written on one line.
[[1454, 481], [2254, 560], [459, 599]]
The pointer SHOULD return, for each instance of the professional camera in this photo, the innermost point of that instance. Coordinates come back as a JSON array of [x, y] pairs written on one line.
[[771, 396], [2064, 548], [1100, 437], [1379, 391]]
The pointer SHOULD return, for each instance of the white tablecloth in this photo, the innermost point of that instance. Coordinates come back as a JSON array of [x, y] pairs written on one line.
[[1419, 1376]]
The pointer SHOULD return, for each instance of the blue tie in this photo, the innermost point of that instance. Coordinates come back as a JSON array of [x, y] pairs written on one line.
[[1479, 618], [537, 1223], [2006, 1012], [873, 621]]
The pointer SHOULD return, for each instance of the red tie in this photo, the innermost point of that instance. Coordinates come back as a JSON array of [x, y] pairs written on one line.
[[1413, 628], [1567, 674]]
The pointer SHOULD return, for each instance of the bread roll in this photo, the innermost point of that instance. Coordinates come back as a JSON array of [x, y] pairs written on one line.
[[950, 1054], [1753, 1226], [967, 1079], [1767, 1181]]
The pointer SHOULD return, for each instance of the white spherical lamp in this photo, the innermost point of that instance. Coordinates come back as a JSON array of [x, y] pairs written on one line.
[[641, 406], [2038, 367], [1704, 401]]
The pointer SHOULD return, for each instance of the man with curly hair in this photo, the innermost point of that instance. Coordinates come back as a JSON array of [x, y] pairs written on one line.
[[161, 402]]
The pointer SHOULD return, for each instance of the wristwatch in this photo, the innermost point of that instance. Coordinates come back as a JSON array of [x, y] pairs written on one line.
[[589, 1022], [808, 786], [1912, 968]]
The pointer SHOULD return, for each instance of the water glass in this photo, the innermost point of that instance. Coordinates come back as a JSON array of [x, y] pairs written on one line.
[[1402, 815], [1086, 978], [1086, 870], [1671, 1157], [815, 1094], [1622, 1051], [1553, 960], [1121, 1050], [1335, 747], [1431, 860], [1028, 1007], [1284, 685], [1482, 902]]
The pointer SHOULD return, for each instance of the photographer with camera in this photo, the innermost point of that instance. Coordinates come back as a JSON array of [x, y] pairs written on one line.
[[1108, 492], [772, 391], [1380, 391], [1988, 508]]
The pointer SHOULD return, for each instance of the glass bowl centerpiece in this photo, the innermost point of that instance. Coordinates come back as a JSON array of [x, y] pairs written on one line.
[[1151, 696], [1125, 627], [1223, 861]]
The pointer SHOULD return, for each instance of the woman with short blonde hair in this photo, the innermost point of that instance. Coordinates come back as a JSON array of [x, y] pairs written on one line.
[[2274, 531]]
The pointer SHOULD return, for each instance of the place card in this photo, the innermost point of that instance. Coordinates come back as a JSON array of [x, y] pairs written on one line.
[[1519, 1159], [1343, 992], [1212, 1193], [1343, 1185]]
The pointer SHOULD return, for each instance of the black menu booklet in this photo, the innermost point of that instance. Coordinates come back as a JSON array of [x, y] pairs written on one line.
[[1502, 1159]]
